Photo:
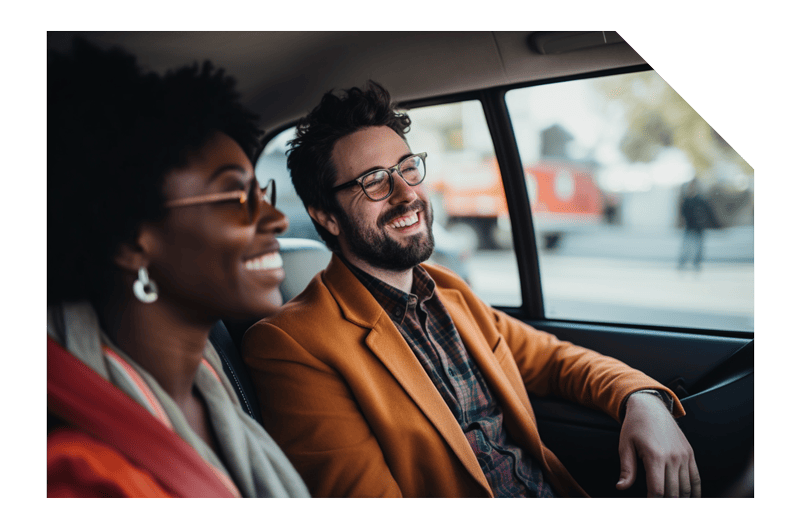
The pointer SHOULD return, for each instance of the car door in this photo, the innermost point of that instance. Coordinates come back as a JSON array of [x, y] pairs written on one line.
[[568, 194], [554, 223]]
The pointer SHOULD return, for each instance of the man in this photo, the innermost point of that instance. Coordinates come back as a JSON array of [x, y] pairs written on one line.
[[698, 216], [388, 377]]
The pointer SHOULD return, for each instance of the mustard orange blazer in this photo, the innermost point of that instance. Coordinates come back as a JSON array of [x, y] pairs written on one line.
[[354, 410]]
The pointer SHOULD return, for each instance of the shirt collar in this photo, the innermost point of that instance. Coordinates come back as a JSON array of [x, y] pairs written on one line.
[[394, 301]]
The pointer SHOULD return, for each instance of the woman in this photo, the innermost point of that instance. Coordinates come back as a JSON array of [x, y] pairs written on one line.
[[157, 228]]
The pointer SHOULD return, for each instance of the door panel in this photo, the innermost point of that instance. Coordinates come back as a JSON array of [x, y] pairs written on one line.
[[665, 356], [713, 376]]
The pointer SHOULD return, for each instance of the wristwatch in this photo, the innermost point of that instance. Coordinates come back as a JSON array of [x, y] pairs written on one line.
[[665, 397]]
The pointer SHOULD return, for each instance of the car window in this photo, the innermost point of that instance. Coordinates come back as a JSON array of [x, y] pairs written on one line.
[[642, 213], [609, 164], [272, 164], [468, 198]]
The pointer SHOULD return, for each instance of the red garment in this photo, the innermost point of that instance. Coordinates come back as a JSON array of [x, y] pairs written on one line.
[[80, 466], [112, 446]]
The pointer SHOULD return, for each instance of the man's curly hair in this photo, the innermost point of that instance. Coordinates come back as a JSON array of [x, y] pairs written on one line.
[[113, 133], [309, 159]]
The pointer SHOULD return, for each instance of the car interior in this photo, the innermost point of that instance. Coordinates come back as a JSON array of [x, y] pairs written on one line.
[[282, 76]]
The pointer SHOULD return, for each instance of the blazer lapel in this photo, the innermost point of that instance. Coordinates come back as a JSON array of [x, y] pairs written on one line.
[[389, 346], [517, 411]]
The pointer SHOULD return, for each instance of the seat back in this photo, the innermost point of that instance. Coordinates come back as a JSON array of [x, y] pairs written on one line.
[[302, 259]]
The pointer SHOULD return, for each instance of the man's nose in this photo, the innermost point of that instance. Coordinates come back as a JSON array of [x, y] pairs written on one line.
[[403, 192]]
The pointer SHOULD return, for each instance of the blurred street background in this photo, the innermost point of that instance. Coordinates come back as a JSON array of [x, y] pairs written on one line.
[[625, 182], [620, 275]]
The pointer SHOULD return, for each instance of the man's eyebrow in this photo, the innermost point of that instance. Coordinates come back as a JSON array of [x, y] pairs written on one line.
[[378, 167]]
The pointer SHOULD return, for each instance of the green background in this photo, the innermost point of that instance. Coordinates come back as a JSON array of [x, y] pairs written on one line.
[[725, 60]]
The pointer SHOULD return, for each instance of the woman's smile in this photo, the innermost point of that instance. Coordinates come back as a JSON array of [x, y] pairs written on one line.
[[268, 261]]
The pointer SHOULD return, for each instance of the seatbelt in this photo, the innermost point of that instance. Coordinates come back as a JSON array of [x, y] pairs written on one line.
[[90, 403], [234, 368]]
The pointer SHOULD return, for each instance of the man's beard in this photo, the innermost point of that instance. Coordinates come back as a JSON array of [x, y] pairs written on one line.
[[375, 247]]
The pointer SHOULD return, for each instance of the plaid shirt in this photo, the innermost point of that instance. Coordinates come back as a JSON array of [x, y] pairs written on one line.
[[430, 332]]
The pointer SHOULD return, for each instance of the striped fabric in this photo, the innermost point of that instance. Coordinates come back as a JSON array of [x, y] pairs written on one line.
[[136, 380]]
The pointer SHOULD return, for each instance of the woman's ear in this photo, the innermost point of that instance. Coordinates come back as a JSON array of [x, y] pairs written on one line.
[[325, 219], [131, 256]]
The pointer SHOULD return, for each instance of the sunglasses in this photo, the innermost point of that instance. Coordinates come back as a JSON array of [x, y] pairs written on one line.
[[249, 200]]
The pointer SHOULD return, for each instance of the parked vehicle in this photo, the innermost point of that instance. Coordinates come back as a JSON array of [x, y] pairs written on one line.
[[563, 196]]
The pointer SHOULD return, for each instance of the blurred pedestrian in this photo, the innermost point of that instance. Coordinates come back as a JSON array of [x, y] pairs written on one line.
[[698, 216]]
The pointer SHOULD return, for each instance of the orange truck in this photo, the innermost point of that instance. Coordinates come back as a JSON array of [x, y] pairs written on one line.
[[563, 195]]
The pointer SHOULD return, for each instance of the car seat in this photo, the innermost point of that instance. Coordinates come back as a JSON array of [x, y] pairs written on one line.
[[302, 259]]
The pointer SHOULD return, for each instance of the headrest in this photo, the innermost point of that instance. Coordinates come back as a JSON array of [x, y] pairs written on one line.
[[302, 259]]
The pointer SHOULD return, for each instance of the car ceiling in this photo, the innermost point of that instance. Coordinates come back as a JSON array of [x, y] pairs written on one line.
[[282, 75]]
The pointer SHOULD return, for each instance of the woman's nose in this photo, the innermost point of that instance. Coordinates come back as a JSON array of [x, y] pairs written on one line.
[[272, 219]]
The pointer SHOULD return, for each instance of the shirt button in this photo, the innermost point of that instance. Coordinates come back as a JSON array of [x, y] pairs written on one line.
[[451, 372], [398, 312]]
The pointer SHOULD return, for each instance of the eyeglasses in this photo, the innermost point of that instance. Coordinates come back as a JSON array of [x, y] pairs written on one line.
[[249, 200], [379, 184]]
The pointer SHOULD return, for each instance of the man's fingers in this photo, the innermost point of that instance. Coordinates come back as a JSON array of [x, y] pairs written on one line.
[[627, 466], [685, 481], [672, 480], [694, 477], [655, 474]]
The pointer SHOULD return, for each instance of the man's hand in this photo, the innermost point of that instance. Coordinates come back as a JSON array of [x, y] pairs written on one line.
[[650, 432]]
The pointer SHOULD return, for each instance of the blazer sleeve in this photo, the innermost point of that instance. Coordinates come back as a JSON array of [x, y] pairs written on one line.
[[549, 366], [322, 431]]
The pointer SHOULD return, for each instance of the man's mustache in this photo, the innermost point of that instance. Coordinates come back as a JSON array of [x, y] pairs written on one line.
[[404, 209]]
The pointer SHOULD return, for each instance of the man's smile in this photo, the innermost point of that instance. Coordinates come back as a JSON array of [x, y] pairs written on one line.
[[405, 221]]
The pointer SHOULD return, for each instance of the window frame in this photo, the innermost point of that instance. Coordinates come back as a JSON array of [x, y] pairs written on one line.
[[498, 121]]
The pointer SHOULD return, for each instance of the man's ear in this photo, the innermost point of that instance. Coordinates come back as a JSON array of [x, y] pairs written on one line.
[[131, 256], [325, 219]]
